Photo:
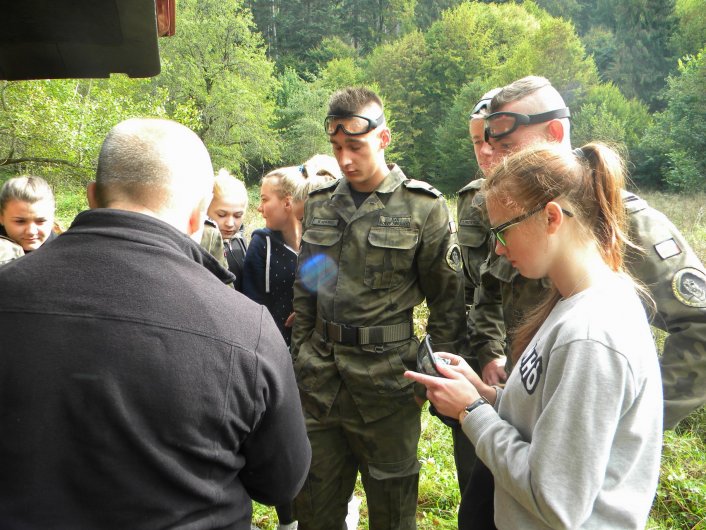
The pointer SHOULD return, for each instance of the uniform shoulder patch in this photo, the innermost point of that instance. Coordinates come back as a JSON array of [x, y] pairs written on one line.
[[326, 187], [667, 249], [421, 186], [633, 203], [453, 257], [689, 287], [474, 185]]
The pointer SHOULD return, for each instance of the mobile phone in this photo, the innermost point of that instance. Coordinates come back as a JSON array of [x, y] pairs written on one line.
[[427, 359]]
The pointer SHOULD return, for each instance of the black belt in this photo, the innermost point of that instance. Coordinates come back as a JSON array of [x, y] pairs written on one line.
[[364, 335]]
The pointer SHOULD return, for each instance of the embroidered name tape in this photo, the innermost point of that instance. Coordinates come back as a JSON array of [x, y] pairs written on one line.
[[468, 222], [404, 222], [324, 222]]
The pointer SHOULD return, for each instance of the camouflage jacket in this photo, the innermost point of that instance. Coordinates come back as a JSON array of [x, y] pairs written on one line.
[[212, 241], [669, 269], [9, 250], [473, 230], [370, 266]]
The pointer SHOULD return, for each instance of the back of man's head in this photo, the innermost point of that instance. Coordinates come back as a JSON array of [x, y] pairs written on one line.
[[156, 165], [352, 100]]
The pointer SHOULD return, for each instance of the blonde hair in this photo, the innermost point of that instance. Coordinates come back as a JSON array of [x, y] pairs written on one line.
[[589, 182], [226, 184], [285, 180], [317, 171], [26, 188]]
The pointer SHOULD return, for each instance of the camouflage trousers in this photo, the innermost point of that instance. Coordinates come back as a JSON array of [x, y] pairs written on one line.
[[385, 453]]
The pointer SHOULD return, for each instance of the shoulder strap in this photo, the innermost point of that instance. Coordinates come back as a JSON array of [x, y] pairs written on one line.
[[420, 185]]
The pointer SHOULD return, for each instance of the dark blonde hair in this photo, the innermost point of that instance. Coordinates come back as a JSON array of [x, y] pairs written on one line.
[[588, 182], [317, 171], [285, 180], [26, 188]]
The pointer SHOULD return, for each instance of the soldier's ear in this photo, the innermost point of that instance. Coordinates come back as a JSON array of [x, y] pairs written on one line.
[[556, 130], [385, 137]]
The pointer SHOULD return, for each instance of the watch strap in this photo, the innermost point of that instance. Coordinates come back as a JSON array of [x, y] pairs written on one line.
[[473, 406]]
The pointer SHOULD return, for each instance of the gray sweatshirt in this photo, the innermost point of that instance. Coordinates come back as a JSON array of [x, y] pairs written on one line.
[[576, 439]]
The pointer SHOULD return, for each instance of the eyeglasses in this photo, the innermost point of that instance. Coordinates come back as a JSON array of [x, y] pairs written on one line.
[[497, 232], [499, 124], [352, 125]]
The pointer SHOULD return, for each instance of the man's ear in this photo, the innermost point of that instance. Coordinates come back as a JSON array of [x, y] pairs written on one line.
[[91, 195], [556, 130], [196, 221], [385, 137]]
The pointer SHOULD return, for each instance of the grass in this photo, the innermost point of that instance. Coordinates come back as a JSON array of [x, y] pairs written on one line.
[[680, 502]]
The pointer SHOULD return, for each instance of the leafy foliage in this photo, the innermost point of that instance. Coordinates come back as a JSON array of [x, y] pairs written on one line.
[[55, 128], [673, 147], [217, 63]]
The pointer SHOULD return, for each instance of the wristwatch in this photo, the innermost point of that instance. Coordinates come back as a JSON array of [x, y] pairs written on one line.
[[473, 406]]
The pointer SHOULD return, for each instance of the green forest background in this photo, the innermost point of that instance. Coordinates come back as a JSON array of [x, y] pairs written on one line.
[[253, 77]]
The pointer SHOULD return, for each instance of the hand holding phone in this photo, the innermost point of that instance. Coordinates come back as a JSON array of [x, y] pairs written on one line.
[[427, 359]]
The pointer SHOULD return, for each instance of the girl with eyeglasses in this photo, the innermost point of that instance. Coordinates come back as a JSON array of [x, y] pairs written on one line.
[[574, 438]]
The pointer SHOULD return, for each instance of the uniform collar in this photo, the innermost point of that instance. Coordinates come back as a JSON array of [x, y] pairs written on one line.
[[389, 184]]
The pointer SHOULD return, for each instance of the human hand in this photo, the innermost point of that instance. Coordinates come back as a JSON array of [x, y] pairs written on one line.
[[494, 372], [453, 392], [290, 320]]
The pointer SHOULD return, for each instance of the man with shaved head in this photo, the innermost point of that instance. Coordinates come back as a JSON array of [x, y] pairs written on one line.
[[520, 114], [136, 389]]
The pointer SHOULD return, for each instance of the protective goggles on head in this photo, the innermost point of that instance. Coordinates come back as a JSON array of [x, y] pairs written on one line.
[[484, 102], [499, 124], [352, 125], [496, 233]]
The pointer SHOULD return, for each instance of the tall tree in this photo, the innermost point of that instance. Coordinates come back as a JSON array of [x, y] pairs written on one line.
[[55, 128], [217, 62], [674, 146], [690, 35], [643, 29]]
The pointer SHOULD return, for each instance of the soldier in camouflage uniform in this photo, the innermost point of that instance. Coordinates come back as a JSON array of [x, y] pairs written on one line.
[[666, 265], [375, 245], [473, 229]]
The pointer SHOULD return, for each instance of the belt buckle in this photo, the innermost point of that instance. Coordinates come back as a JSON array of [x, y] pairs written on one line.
[[348, 334]]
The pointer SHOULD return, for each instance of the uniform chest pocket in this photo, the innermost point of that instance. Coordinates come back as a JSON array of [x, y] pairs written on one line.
[[321, 237], [502, 270], [389, 256], [472, 233]]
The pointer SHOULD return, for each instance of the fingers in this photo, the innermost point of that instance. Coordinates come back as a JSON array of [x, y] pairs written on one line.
[[494, 372], [426, 380], [455, 359]]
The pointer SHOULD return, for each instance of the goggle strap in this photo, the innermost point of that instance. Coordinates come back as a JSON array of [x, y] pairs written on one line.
[[550, 115]]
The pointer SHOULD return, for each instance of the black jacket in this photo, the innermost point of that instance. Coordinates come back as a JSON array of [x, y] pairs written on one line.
[[136, 390]]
